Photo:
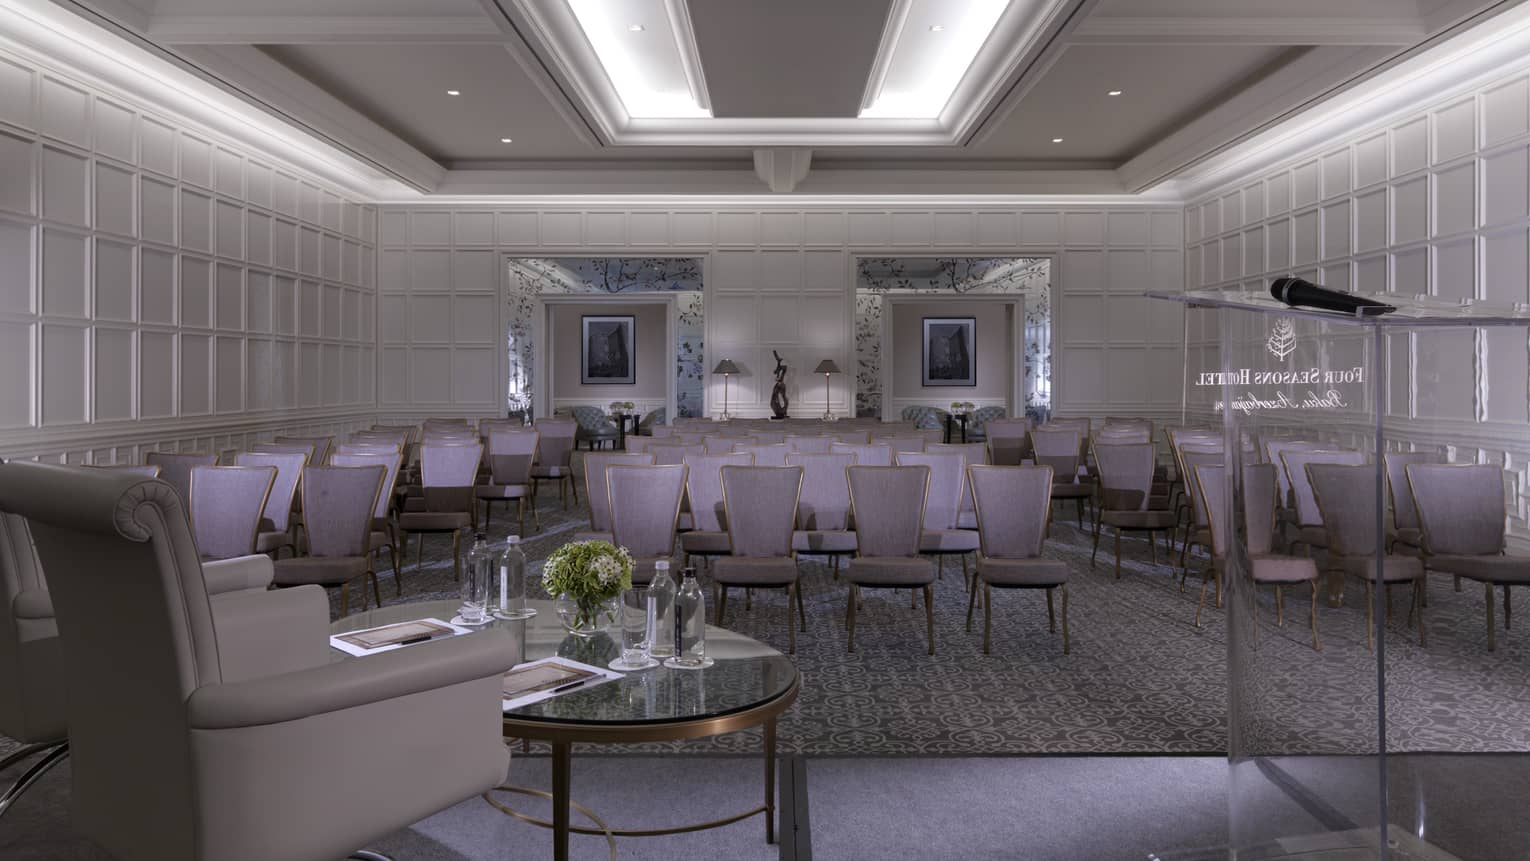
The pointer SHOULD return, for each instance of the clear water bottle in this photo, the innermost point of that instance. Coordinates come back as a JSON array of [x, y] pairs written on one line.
[[511, 569], [661, 612], [476, 583], [690, 626]]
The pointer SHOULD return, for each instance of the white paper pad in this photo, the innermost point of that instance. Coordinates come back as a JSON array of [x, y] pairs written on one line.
[[601, 675], [335, 641]]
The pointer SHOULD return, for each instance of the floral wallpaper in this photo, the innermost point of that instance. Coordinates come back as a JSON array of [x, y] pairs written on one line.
[[531, 277], [875, 277]]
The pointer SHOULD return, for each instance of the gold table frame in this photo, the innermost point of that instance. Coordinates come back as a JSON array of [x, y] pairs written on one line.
[[562, 737]]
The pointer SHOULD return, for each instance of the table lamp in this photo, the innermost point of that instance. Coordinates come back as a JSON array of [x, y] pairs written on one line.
[[826, 367], [727, 369]]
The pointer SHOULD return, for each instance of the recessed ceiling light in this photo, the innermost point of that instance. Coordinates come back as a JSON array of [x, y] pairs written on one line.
[[454, 92], [1114, 93], [937, 28], [1056, 140], [504, 140], [636, 28]]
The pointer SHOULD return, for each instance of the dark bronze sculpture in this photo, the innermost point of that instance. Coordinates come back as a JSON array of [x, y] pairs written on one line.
[[778, 399]]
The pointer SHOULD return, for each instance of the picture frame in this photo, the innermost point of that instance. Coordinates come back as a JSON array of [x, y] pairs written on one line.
[[950, 351], [608, 350]]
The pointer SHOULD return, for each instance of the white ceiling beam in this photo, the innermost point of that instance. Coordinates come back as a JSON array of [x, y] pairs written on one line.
[[317, 30], [1112, 30]]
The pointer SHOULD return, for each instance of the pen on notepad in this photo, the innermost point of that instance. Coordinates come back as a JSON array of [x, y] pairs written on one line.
[[569, 686], [423, 638]]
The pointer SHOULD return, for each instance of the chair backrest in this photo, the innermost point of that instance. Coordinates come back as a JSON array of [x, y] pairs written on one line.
[[486, 427], [366, 448], [824, 505], [304, 449], [763, 505], [865, 455], [1208, 483], [127, 588], [672, 454], [1123, 435], [1460, 507], [720, 444], [1346, 501], [1057, 448], [389, 461], [639, 444], [1013, 504], [688, 438], [453, 465], [1008, 440], [1404, 512], [1074, 423], [591, 418], [289, 474], [661, 430], [596, 488], [1294, 463], [511, 454], [1274, 448], [975, 452], [887, 503], [703, 487], [339, 503], [555, 446], [769, 437], [1193, 459], [645, 507], [948, 477], [321, 446], [175, 468], [403, 433], [397, 436], [810, 444], [1126, 475], [852, 436], [764, 455], [902, 443], [226, 505], [31, 704]]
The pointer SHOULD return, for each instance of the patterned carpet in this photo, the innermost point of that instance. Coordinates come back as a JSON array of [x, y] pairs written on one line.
[[1141, 677]]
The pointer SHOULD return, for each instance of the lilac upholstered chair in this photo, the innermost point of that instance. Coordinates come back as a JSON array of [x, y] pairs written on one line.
[[763, 502], [1181, 490], [276, 521], [1259, 520], [851, 436], [662, 431], [175, 468], [511, 454], [823, 508], [865, 454], [708, 518], [673, 454], [366, 448], [1008, 441], [645, 507], [1405, 526], [973, 453], [810, 444], [321, 446], [720, 444], [769, 437], [1014, 504], [888, 506], [446, 501], [1125, 496], [596, 489], [339, 503], [639, 444], [939, 535], [773, 454], [906, 442], [1199, 532], [226, 507], [1304, 516], [384, 535], [1058, 448], [555, 453], [1461, 510], [1273, 449], [487, 427], [1346, 498]]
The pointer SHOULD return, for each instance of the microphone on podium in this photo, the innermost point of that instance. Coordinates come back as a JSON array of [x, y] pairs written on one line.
[[1299, 293]]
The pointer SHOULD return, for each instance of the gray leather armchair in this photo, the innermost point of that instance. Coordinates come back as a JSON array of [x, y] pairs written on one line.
[[235, 735]]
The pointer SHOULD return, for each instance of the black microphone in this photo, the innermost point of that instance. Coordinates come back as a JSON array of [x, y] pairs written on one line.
[[1296, 292]]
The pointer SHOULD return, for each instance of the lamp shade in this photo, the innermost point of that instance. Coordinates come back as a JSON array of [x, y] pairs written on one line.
[[827, 366], [726, 366]]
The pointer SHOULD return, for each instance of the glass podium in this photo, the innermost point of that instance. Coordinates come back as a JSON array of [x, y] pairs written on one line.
[[1403, 737]]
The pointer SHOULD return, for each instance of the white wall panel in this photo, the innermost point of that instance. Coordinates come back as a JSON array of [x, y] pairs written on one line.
[[65, 276], [114, 200], [115, 267], [65, 187], [63, 111], [17, 175]]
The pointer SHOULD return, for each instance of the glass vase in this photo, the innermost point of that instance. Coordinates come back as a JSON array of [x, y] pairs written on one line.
[[586, 617]]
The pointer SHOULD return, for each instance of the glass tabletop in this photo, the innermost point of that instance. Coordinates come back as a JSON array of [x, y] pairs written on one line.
[[746, 672]]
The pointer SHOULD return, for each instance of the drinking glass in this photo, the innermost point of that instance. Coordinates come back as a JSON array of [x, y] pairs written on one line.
[[634, 625]]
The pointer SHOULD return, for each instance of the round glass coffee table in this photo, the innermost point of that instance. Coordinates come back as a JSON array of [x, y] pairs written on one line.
[[750, 684]]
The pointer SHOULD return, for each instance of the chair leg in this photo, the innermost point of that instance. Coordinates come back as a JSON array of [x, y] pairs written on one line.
[[929, 614], [1153, 546], [345, 600], [1418, 602], [1491, 624], [419, 551], [573, 487], [1280, 608], [376, 592], [1051, 616], [722, 604], [1080, 502], [1201, 604], [457, 556], [850, 618], [1067, 647], [52, 755], [801, 611], [966, 575], [971, 605], [1118, 554], [1316, 645], [488, 513], [1096, 550], [791, 628], [1506, 606], [1370, 616], [987, 619]]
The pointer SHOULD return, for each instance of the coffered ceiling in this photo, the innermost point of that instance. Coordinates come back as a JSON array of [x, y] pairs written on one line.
[[807, 96]]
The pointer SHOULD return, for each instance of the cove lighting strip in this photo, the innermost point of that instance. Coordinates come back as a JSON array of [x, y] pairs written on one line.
[[926, 49], [639, 44]]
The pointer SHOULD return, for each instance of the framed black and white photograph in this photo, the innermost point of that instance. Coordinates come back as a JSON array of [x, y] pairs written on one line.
[[609, 357], [950, 351]]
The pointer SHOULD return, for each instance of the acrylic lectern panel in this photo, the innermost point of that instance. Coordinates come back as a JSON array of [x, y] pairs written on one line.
[[1399, 734]]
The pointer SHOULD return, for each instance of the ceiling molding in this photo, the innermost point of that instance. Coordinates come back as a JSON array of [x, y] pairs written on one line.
[[312, 30], [548, 82], [679, 14], [865, 202], [892, 27], [1026, 70], [1113, 30]]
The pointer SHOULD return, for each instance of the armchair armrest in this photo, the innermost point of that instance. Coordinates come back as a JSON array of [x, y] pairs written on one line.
[[32, 604], [263, 633], [349, 684], [239, 573]]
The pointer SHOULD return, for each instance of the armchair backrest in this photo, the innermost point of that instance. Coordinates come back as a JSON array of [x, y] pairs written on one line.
[[31, 698], [128, 591]]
